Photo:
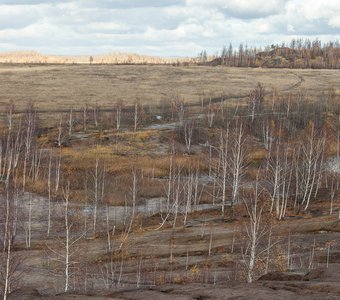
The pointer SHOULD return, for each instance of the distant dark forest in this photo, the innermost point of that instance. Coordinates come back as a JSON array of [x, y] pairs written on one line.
[[299, 54]]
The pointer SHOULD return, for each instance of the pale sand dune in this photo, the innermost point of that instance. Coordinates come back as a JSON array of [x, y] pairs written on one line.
[[112, 58]]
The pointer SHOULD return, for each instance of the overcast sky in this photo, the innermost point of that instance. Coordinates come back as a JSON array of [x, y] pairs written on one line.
[[161, 27]]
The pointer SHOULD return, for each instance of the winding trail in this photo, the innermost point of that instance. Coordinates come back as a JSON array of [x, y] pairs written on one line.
[[297, 84]]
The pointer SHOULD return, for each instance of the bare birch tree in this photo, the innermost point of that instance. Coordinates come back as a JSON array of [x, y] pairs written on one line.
[[9, 261], [49, 189], [237, 159], [222, 166], [68, 239], [255, 100], [30, 126], [310, 162], [118, 114], [138, 114], [85, 109], [98, 177], [134, 195], [255, 231], [70, 122], [60, 133], [280, 176], [188, 132], [96, 111], [211, 113]]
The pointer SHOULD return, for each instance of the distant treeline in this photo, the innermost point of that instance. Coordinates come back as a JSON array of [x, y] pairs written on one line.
[[298, 53]]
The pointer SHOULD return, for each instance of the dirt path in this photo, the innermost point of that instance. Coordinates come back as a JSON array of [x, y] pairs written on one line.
[[297, 84]]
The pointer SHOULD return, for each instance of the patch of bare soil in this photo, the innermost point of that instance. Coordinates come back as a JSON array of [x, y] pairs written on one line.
[[319, 283], [299, 283]]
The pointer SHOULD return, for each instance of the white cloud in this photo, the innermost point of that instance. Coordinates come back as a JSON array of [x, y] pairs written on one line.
[[106, 26], [161, 27], [335, 22], [290, 28]]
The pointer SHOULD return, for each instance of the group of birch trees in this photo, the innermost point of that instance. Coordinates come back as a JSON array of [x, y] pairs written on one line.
[[292, 136]]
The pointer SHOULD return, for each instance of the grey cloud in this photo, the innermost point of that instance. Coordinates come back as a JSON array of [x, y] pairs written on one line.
[[258, 13], [122, 4], [318, 27], [6, 22], [243, 9], [247, 13], [31, 2]]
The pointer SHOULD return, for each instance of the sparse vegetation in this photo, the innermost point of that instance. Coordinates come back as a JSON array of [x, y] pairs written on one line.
[[218, 182]]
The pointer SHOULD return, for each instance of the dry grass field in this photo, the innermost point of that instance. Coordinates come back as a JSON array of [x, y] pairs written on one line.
[[57, 87]]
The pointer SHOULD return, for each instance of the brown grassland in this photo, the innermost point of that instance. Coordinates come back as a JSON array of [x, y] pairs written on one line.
[[58, 87]]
